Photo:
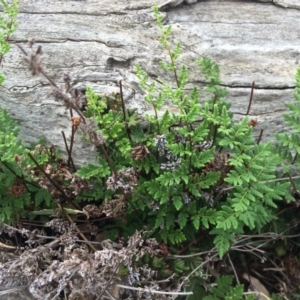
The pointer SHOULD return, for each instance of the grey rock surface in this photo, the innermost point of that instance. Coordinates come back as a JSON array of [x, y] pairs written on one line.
[[99, 43], [174, 3]]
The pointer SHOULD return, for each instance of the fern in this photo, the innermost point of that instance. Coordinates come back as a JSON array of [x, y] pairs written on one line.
[[196, 170]]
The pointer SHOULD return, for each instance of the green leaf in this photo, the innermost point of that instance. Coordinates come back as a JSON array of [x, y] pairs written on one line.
[[89, 171], [211, 297], [159, 221], [7, 213], [177, 201], [200, 159], [42, 196], [223, 285], [176, 237], [222, 240], [196, 221], [207, 180], [170, 221], [248, 217], [226, 218], [235, 293], [164, 235], [182, 219]]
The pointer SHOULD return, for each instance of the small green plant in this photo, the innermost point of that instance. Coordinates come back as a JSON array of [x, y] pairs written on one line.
[[193, 172], [19, 193]]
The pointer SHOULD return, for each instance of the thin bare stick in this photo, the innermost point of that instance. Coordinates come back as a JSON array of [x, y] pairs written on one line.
[[41, 70], [191, 255], [234, 271], [294, 159], [201, 265], [153, 291], [109, 281], [70, 160], [260, 136], [257, 293], [122, 100], [288, 281], [48, 177], [72, 142], [123, 110], [71, 221], [44, 237], [251, 98], [109, 161], [19, 176], [109, 296]]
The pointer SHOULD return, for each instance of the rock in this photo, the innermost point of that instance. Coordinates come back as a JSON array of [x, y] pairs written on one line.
[[174, 3], [288, 3], [100, 42]]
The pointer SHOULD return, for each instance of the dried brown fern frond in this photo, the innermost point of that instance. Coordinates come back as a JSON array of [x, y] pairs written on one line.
[[67, 267]]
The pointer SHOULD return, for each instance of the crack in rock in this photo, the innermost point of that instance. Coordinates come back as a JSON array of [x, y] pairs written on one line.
[[282, 3]]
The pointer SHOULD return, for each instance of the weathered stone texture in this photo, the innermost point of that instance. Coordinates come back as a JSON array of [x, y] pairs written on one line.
[[100, 42]]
